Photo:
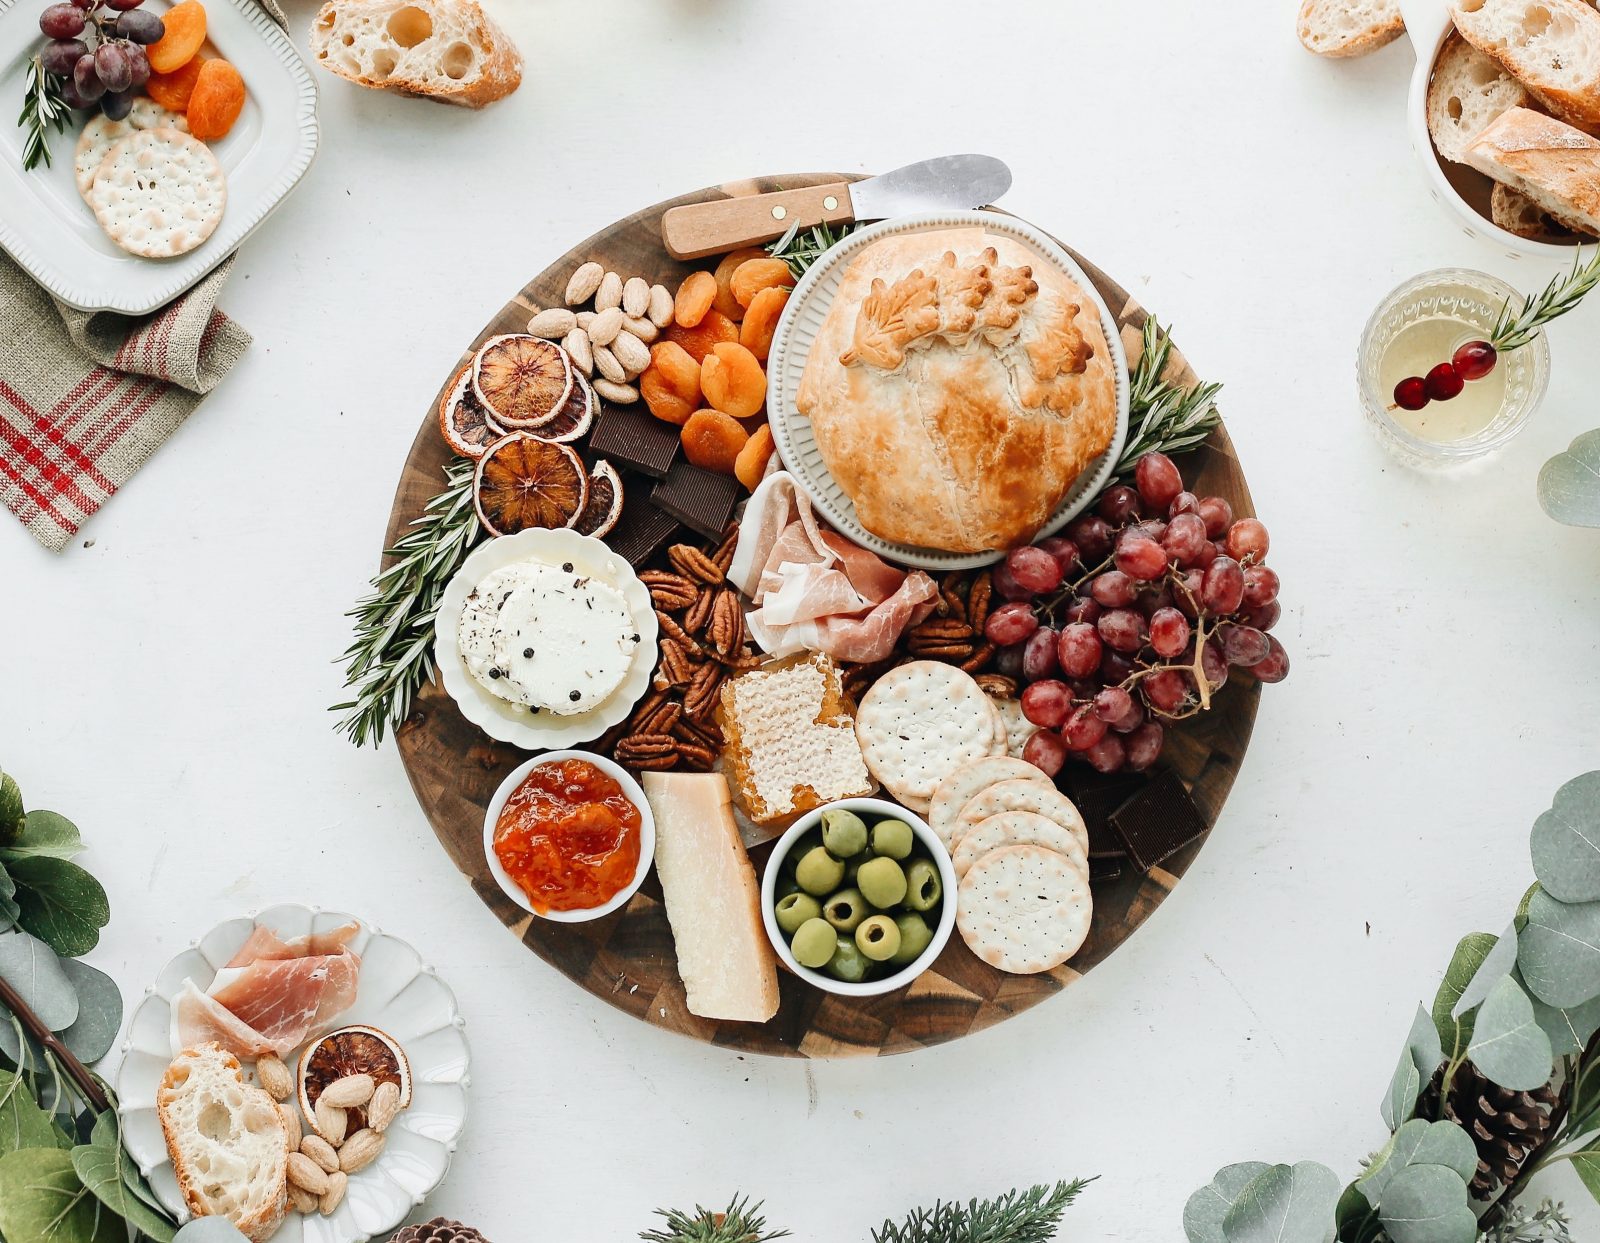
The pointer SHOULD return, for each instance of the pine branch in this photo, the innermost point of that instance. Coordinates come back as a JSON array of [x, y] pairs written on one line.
[[801, 249], [43, 108], [1162, 416], [740, 1222], [1030, 1216], [1561, 295]]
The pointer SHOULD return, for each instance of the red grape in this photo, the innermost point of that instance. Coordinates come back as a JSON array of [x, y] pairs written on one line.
[[84, 4], [1275, 666], [1083, 728], [1039, 655], [1153, 598], [1082, 609], [1167, 690], [1150, 528], [1010, 623], [139, 63], [1133, 720], [1117, 708], [1183, 503], [1115, 668], [62, 21], [1078, 650], [1243, 645], [1092, 534], [1006, 586], [1169, 633], [1214, 665], [1118, 504], [1185, 539], [1474, 360], [1008, 660], [1108, 755], [86, 80], [140, 26], [1114, 589], [115, 69], [1141, 557], [60, 55], [123, 4], [1121, 629], [1143, 746], [1224, 586], [116, 104], [1218, 515], [1045, 751], [1265, 617], [1034, 569], [72, 98], [1260, 586], [1186, 598], [1158, 481], [1063, 550], [1248, 538], [1047, 703]]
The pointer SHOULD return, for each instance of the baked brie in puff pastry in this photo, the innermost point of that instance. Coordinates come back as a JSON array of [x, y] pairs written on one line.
[[957, 389]]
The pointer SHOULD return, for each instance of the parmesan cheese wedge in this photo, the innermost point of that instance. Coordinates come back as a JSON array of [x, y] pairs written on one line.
[[713, 901]]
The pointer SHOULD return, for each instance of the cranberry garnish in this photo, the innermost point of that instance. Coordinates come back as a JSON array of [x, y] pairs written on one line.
[[1411, 393], [1445, 382], [1474, 360]]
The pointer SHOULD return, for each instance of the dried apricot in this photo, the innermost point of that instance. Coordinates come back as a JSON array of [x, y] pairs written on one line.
[[732, 380], [695, 296], [754, 275], [761, 320], [714, 329], [172, 90], [726, 302], [184, 31], [217, 100], [751, 464], [712, 440], [670, 385]]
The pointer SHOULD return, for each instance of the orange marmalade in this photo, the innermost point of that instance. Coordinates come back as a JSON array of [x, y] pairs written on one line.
[[568, 837]]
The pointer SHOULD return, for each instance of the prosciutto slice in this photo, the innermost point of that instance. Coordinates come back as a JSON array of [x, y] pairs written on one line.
[[265, 943], [197, 1018]]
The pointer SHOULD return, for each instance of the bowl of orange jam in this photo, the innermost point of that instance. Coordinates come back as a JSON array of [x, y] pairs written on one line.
[[569, 836]]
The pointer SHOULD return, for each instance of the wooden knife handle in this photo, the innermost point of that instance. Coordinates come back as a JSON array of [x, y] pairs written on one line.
[[700, 229]]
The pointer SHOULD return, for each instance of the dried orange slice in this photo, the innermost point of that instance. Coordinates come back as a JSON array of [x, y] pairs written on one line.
[[354, 1050], [574, 418], [466, 425], [522, 381], [523, 481], [605, 502]]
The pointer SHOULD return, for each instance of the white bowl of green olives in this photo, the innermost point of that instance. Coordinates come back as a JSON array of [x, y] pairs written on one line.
[[859, 897]]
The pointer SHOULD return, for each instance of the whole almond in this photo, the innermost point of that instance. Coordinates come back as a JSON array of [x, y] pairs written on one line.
[[360, 1150], [605, 362], [303, 1200], [307, 1174], [385, 1106], [576, 343], [320, 1151], [632, 353], [585, 318], [337, 1182], [331, 1122], [661, 306], [635, 297], [605, 326], [583, 283], [621, 394], [290, 1112], [348, 1092], [609, 294], [552, 324], [275, 1077], [642, 328]]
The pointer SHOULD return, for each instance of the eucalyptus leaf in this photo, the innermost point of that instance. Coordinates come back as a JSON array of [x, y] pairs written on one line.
[[1509, 1046], [210, 1230], [31, 967], [1354, 1215], [1587, 1165], [1420, 1058], [18, 1049], [101, 1165], [61, 904], [1428, 1204], [9, 910], [1455, 1034], [99, 1012], [1500, 962], [1420, 1142], [1569, 1029], [1566, 842], [42, 1201], [1285, 1204], [22, 1123], [10, 809], [1569, 483], [1203, 1214], [44, 833], [1559, 951]]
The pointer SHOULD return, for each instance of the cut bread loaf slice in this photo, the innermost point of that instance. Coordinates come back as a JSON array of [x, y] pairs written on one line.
[[1516, 213], [1552, 163], [228, 1141], [1349, 27], [448, 50], [1552, 46], [1468, 90]]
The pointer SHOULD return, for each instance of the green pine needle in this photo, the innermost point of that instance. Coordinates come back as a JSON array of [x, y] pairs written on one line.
[[1561, 295], [740, 1222], [43, 109], [1030, 1216], [1162, 416]]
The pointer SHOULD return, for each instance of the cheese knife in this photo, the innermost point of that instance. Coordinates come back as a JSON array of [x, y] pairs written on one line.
[[948, 182]]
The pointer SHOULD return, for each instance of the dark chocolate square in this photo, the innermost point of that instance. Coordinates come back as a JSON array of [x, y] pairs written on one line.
[[1104, 871], [700, 499], [632, 437], [642, 528], [1097, 797], [1158, 821]]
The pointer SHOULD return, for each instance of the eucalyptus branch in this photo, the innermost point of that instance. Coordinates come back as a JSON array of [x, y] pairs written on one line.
[[54, 1048]]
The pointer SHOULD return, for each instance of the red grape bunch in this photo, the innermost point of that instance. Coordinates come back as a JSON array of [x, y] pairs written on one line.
[[98, 47], [1133, 619]]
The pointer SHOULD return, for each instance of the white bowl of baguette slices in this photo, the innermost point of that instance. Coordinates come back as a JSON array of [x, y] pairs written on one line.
[[1504, 103]]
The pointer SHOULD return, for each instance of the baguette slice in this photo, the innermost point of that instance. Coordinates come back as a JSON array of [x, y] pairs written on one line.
[[228, 1141], [1349, 27], [1553, 46], [1468, 90], [1516, 213], [1552, 163], [448, 50]]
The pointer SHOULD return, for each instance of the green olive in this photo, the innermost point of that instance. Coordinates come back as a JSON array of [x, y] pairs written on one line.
[[848, 962], [923, 887], [915, 936], [845, 909], [893, 838], [818, 872], [878, 938], [808, 841], [843, 832], [814, 944], [882, 881], [796, 909]]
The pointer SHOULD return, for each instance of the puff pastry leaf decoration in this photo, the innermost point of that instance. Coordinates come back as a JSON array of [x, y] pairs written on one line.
[[891, 318]]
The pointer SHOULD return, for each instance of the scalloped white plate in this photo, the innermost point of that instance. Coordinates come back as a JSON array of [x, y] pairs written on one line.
[[797, 330], [493, 715], [51, 232], [398, 994]]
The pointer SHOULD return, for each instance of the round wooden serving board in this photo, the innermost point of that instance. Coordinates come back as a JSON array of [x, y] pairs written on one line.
[[627, 958]]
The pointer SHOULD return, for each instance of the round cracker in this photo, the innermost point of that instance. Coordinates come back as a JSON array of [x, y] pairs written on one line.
[[958, 789], [919, 722], [1040, 797], [1024, 909], [102, 133], [1018, 728], [159, 193], [1017, 828], [998, 746]]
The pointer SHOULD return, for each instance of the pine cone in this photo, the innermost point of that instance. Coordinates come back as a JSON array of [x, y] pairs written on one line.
[[439, 1230], [1505, 1126]]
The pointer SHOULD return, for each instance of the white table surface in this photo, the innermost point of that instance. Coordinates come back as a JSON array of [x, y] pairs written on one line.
[[164, 682]]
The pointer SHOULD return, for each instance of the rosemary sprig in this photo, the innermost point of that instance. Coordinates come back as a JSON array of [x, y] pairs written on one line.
[[740, 1222], [800, 250], [43, 108], [1029, 1216], [392, 654], [1163, 416], [1561, 295]]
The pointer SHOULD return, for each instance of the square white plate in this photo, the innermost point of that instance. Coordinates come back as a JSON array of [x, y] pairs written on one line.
[[51, 232]]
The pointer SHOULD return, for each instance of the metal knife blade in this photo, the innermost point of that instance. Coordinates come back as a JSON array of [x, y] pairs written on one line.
[[949, 181]]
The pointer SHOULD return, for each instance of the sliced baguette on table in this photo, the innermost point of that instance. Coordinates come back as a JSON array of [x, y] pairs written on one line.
[[1555, 165], [1468, 90], [445, 50], [1349, 27], [1516, 213], [1552, 46]]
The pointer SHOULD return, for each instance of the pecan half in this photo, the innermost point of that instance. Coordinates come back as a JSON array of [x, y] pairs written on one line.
[[997, 685], [694, 621], [979, 658], [725, 631], [676, 668], [659, 720], [668, 591], [946, 630], [951, 591], [978, 601], [691, 561], [703, 692], [677, 634], [636, 747], [942, 651], [696, 756]]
